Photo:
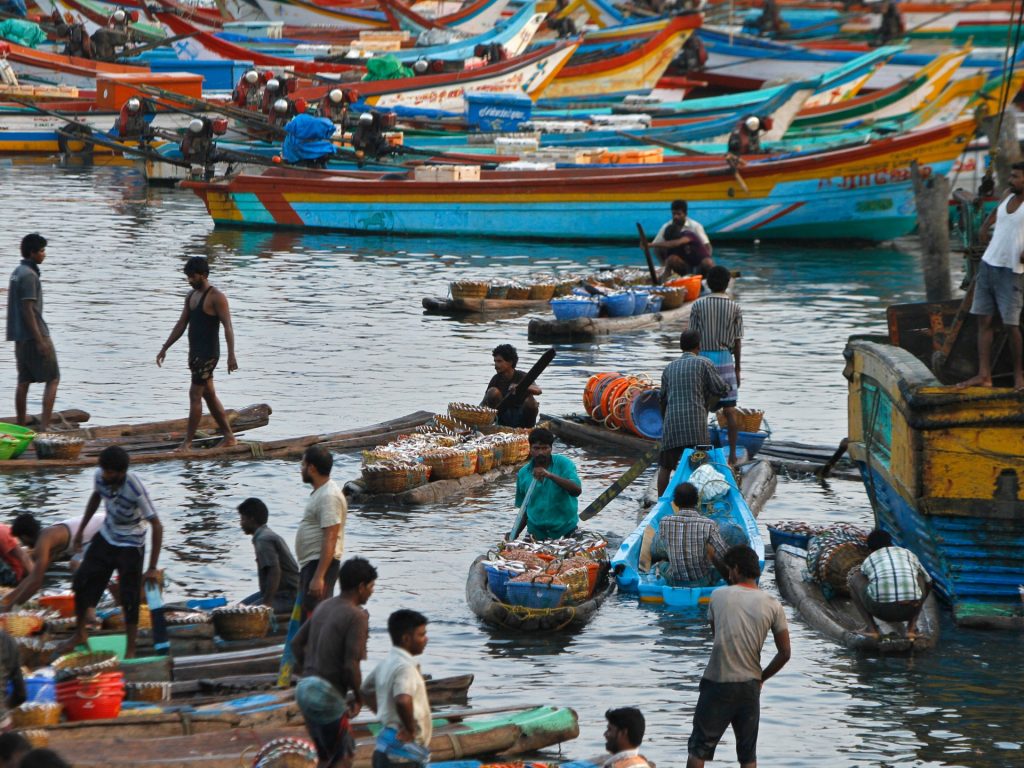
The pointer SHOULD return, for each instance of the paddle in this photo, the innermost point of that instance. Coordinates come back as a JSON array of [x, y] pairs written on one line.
[[520, 520], [661, 143], [284, 674], [827, 468], [647, 254], [612, 491], [521, 391]]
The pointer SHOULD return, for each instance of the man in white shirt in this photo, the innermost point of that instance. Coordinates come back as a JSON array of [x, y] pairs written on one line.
[[623, 736], [395, 690], [320, 538], [999, 286], [682, 244]]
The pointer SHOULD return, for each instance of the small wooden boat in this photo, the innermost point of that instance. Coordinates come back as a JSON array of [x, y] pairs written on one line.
[[587, 328], [437, 306], [837, 616], [488, 607], [457, 735], [733, 509]]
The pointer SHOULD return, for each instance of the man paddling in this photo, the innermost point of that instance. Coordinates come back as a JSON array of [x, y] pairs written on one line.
[[206, 309], [999, 286], [682, 244], [505, 380], [547, 490]]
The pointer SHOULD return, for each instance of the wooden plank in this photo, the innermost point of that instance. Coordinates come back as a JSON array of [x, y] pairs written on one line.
[[59, 421], [481, 306]]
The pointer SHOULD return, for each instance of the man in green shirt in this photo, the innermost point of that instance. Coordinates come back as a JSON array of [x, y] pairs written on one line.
[[547, 488]]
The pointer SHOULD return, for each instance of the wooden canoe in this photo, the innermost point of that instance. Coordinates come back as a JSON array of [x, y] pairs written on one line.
[[430, 492], [286, 448], [436, 306], [587, 328], [464, 735], [838, 617], [496, 613], [69, 418]]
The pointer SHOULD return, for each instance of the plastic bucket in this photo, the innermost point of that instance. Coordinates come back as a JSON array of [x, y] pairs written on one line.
[[691, 283], [573, 309], [619, 304], [610, 396], [640, 301], [40, 689], [592, 385], [599, 411], [643, 416], [94, 698], [114, 643], [654, 303], [63, 604], [497, 580]]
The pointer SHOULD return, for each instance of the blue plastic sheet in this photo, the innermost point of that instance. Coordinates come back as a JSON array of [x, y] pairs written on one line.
[[307, 138]]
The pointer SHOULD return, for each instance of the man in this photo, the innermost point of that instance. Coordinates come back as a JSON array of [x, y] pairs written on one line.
[[682, 244], [206, 308], [719, 321], [547, 491], [730, 691], [13, 747], [395, 690], [998, 287], [622, 738], [504, 382], [891, 585], [276, 569], [14, 561], [48, 545], [320, 539], [328, 651], [33, 348], [690, 388], [119, 546], [689, 543]]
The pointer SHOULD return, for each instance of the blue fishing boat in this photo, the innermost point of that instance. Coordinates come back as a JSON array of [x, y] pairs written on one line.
[[943, 466], [731, 510]]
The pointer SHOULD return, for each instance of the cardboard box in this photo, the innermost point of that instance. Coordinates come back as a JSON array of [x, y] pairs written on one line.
[[113, 90], [445, 173]]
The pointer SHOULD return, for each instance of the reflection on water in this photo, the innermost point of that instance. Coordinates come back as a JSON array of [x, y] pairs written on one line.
[[331, 334]]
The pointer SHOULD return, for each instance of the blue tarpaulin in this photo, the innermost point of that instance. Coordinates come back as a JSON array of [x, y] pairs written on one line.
[[307, 138]]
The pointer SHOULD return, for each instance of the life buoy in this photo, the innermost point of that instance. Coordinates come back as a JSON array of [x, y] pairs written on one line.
[[68, 133]]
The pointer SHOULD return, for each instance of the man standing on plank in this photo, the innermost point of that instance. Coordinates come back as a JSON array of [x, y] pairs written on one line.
[[33, 347], [119, 546], [320, 539], [206, 308]]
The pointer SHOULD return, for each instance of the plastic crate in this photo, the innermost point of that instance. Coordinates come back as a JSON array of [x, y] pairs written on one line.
[[571, 309], [778, 538], [534, 594], [497, 579]]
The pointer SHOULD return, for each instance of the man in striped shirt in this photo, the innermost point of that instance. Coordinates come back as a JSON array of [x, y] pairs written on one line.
[[719, 321], [891, 585], [119, 546]]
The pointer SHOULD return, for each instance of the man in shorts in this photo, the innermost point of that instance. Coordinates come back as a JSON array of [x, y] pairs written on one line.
[[741, 616], [119, 546], [999, 287], [33, 349], [682, 244], [206, 308]]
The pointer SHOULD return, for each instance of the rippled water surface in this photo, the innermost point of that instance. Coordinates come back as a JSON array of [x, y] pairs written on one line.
[[330, 333]]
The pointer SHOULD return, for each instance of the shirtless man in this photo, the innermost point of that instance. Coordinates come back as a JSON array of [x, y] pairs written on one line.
[[48, 545], [206, 308]]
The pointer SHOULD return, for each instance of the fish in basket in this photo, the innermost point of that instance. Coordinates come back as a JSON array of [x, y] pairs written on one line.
[[242, 622]]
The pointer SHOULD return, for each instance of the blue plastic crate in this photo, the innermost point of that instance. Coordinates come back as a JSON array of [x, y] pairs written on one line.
[[641, 301], [497, 578], [778, 538], [534, 594], [571, 309]]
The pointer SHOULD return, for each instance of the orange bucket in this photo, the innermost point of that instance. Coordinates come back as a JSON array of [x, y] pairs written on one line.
[[597, 411], [610, 398], [691, 284], [593, 384]]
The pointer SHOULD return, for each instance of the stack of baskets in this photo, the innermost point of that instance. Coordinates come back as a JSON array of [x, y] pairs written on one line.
[[394, 477], [671, 297], [831, 555], [518, 291], [469, 290], [286, 753], [85, 664], [152, 692], [749, 419], [473, 415], [542, 291], [35, 652], [115, 620], [628, 402], [53, 445], [242, 622], [23, 623], [37, 714], [450, 463]]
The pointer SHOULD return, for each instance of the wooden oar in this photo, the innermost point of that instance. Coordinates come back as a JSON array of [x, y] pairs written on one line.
[[647, 254], [512, 399], [827, 468], [661, 143], [612, 491], [517, 525], [284, 675]]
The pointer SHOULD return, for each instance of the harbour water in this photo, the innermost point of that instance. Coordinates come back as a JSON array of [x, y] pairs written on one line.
[[330, 333]]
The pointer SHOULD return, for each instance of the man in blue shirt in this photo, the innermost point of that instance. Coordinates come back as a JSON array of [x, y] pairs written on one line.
[[547, 490]]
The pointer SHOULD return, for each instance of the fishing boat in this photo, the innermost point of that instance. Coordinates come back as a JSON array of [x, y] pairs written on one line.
[[460, 306], [859, 193], [942, 465], [733, 510], [836, 616], [509, 731], [589, 328]]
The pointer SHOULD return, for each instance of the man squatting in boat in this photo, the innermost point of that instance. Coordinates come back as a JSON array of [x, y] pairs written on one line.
[[682, 244], [547, 491], [206, 308], [506, 378], [891, 584]]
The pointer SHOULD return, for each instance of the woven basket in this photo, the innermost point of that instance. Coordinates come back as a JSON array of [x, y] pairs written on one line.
[[452, 425], [672, 298], [36, 715], [473, 415], [469, 289], [576, 581], [50, 445], [23, 623], [837, 562], [286, 753], [484, 458], [116, 619], [34, 652], [450, 464], [395, 478], [242, 622], [749, 419], [154, 692], [565, 287], [516, 451], [518, 292], [542, 292], [85, 664], [497, 291]]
